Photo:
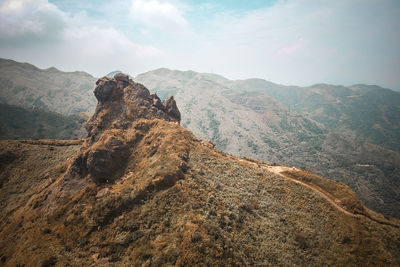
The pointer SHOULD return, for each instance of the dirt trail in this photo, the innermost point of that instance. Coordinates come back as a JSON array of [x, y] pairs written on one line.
[[279, 169]]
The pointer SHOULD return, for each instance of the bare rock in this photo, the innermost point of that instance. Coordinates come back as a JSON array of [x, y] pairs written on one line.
[[122, 80], [104, 89], [121, 102], [157, 102], [207, 143], [121, 77], [171, 108]]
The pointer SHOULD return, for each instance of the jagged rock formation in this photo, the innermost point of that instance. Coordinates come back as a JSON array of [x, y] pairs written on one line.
[[143, 191], [121, 101]]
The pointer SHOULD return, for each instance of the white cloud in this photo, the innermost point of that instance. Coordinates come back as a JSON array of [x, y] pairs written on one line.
[[306, 41], [291, 42], [291, 49], [12, 6], [38, 32], [164, 16], [35, 17], [104, 49]]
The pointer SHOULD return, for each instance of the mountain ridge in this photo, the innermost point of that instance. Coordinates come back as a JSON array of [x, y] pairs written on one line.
[[25, 85], [240, 118], [172, 199], [247, 123]]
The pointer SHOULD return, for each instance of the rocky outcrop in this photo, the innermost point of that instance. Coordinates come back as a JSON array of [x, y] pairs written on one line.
[[122, 101], [112, 131], [171, 108]]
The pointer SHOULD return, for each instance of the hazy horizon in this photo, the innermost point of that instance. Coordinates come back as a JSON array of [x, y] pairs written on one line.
[[302, 42], [248, 78]]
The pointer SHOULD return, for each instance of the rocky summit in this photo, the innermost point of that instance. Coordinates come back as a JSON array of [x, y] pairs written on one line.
[[121, 101], [141, 190]]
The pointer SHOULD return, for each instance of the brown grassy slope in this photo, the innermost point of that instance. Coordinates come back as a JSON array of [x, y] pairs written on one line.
[[28, 166], [222, 211], [341, 194], [269, 122]]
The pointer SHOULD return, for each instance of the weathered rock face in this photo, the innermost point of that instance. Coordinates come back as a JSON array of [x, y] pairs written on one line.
[[171, 108], [121, 102]]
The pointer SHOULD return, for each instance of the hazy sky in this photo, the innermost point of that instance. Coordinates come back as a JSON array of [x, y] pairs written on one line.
[[298, 42]]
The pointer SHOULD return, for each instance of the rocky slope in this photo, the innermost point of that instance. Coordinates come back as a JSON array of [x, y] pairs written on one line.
[[143, 191], [293, 125]]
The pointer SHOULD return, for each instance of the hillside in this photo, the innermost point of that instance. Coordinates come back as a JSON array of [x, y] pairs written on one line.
[[365, 112], [323, 128], [167, 198], [210, 110], [20, 123], [66, 93], [259, 119]]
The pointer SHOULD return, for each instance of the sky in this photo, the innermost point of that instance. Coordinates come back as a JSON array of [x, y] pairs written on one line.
[[291, 42]]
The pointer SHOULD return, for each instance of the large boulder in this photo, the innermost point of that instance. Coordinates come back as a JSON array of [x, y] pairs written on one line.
[[121, 77], [104, 89]]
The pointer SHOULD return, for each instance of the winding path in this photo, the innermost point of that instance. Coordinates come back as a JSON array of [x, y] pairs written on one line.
[[279, 169]]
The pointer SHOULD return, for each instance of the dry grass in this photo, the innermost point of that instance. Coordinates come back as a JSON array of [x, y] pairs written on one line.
[[341, 194], [217, 212], [52, 142], [337, 191]]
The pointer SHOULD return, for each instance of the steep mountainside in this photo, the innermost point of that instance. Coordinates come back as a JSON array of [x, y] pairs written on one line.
[[370, 113], [20, 123], [306, 127], [24, 85], [168, 198], [259, 119], [210, 112]]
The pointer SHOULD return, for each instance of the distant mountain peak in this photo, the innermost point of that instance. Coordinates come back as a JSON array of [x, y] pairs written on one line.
[[112, 74], [52, 69]]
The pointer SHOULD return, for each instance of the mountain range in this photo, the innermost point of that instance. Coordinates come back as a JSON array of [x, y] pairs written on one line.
[[141, 190], [66, 93], [322, 128], [348, 134]]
